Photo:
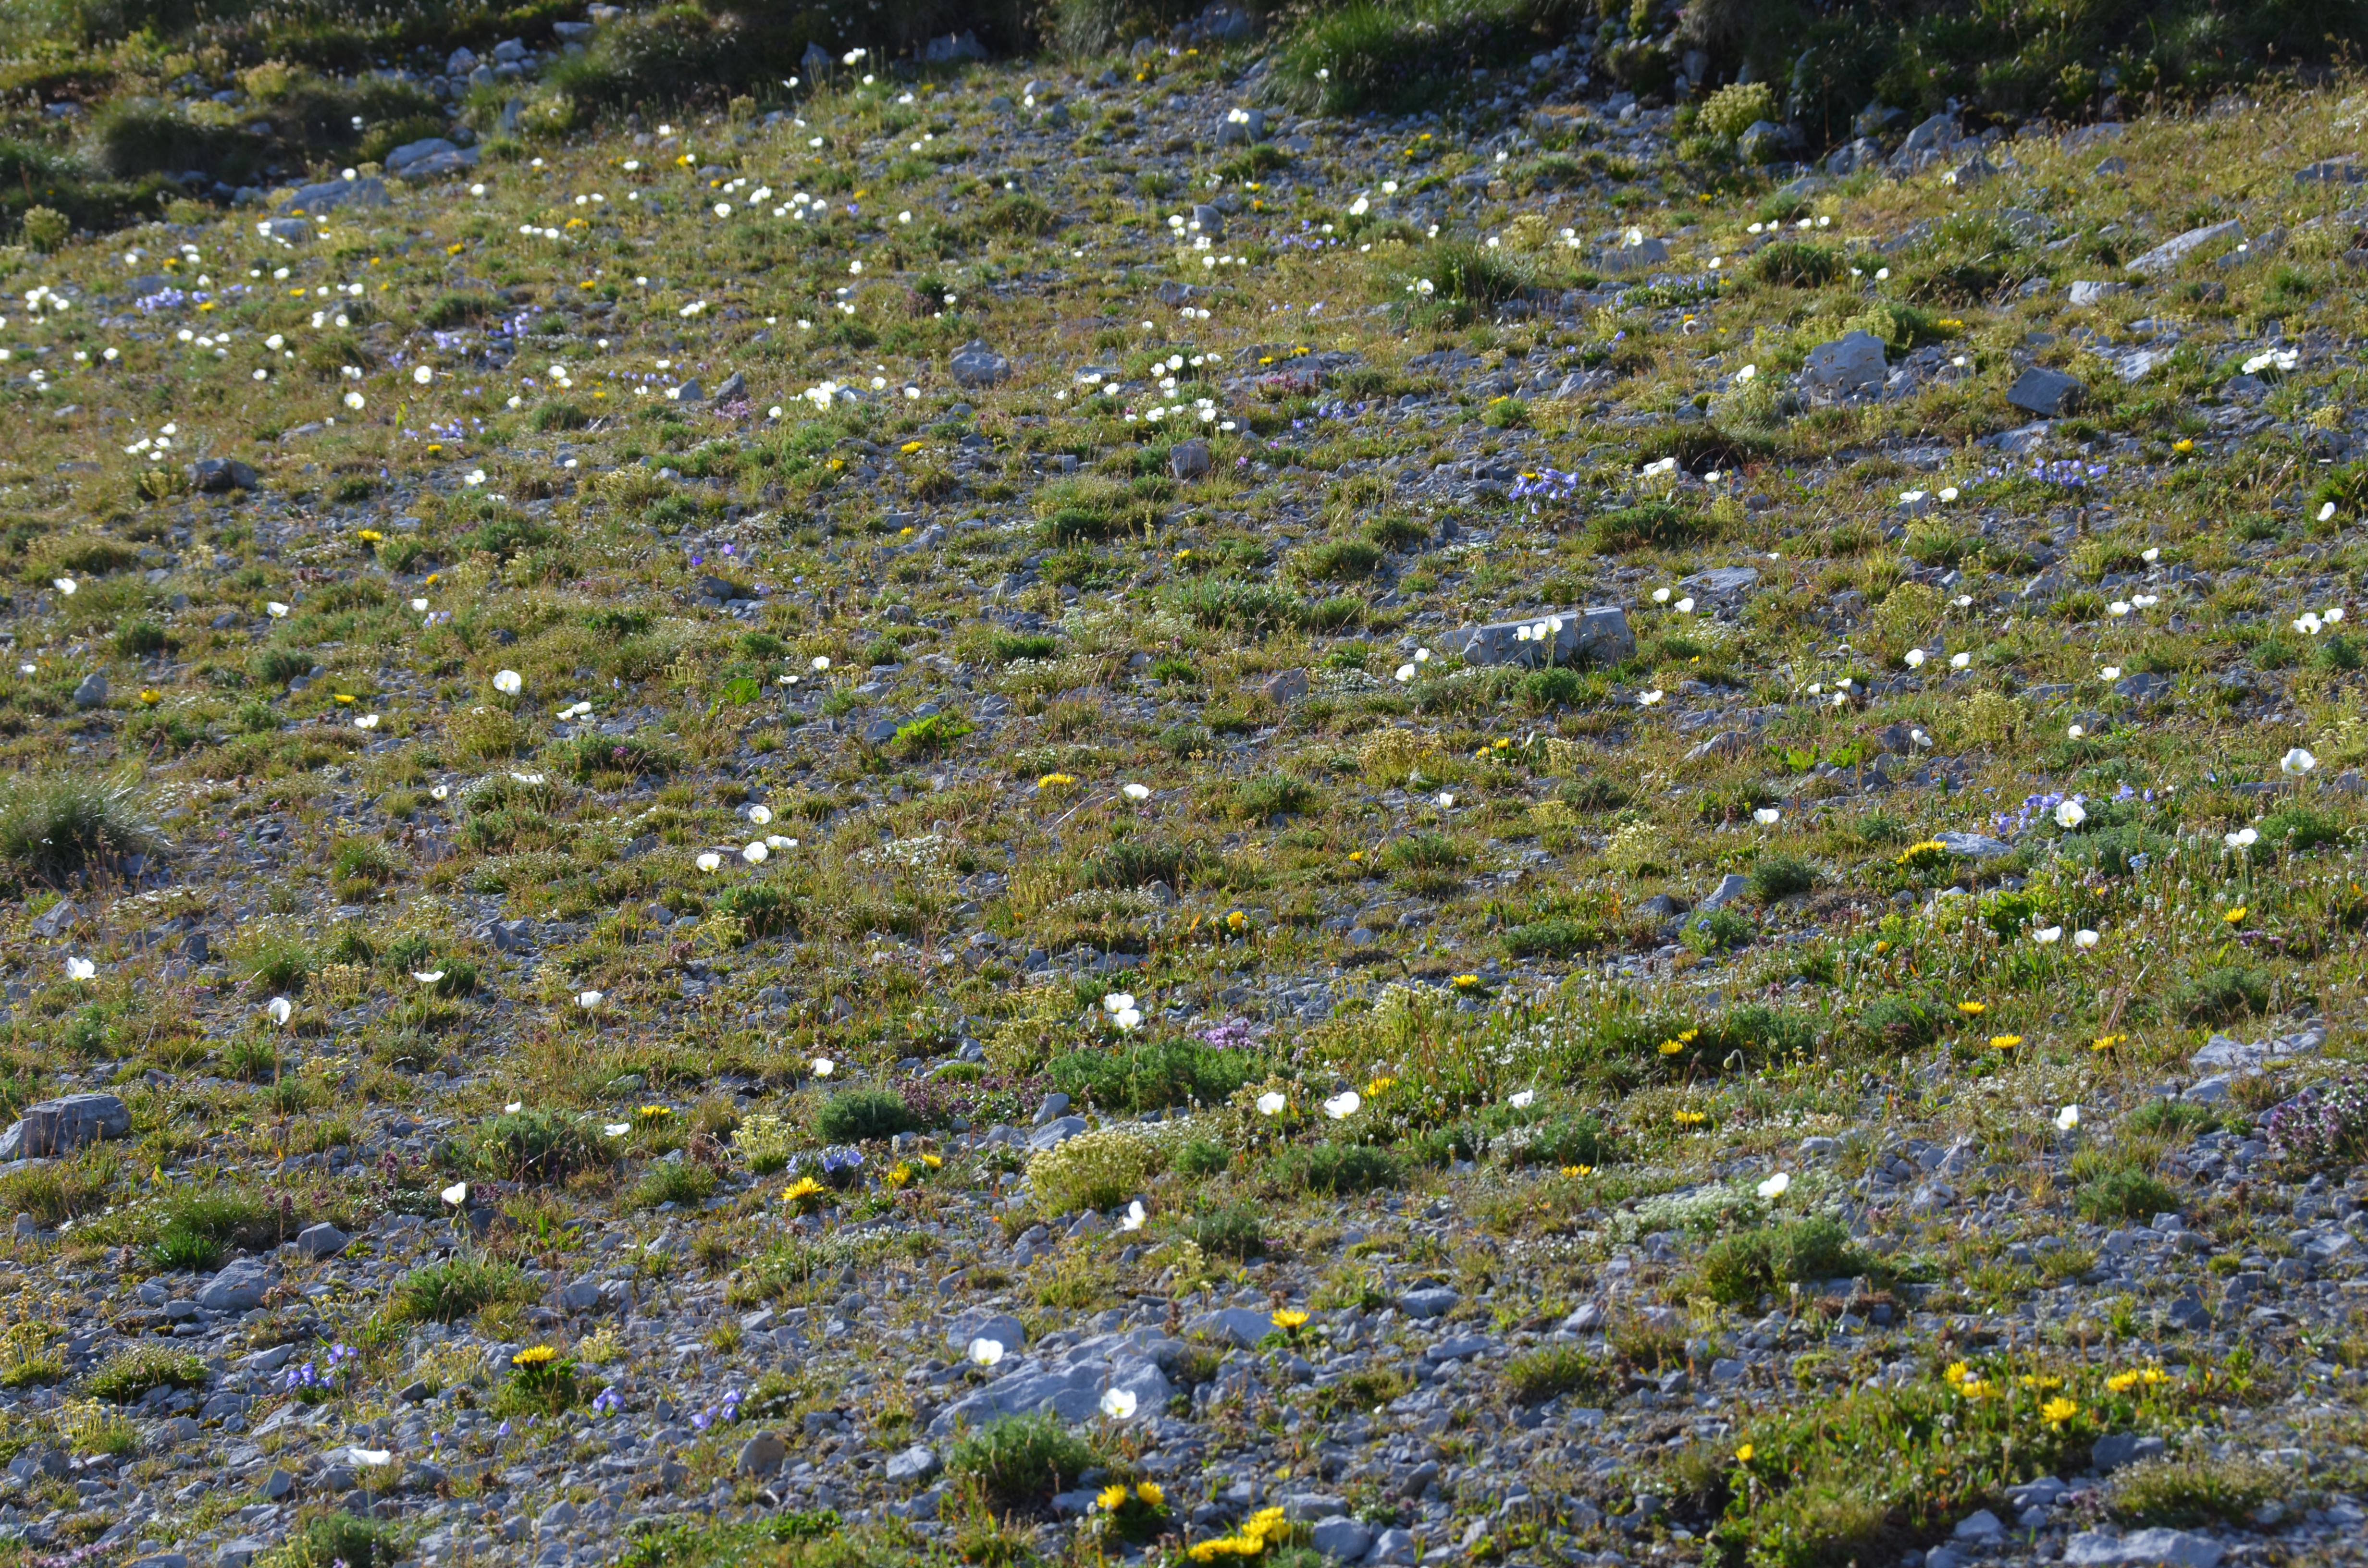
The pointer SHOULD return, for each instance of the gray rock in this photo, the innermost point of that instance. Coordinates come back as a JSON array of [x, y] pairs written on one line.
[[1974, 846], [1189, 459], [2224, 1054], [2332, 171], [1209, 221], [92, 692], [1071, 1385], [323, 1240], [2166, 256], [1287, 686], [1600, 636], [215, 476], [1763, 141], [1431, 1302], [976, 365], [59, 916], [2144, 686], [980, 1323], [63, 1125], [963, 45], [1055, 1103], [286, 230], [1392, 1547], [2111, 1453], [1339, 1537], [919, 1462], [1243, 1326], [1852, 362], [1241, 127], [2045, 392], [1640, 256], [1306, 1507], [368, 191], [1584, 1319], [2087, 292], [1979, 1525], [240, 1550], [1973, 171], [239, 1287], [736, 386], [690, 391], [762, 1454], [1730, 887], [2155, 1548], [1720, 581]]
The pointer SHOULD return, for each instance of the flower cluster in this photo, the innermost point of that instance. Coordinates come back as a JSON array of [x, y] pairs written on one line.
[[1260, 1530], [2325, 1125]]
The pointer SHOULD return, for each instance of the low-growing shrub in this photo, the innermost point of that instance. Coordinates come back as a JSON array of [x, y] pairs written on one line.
[[853, 1115], [1097, 1170], [531, 1145], [1019, 1463], [2185, 1494], [1232, 1230], [145, 1367], [455, 1289], [1535, 1376], [1343, 1167], [1781, 876], [1736, 1268], [2323, 1128], [55, 823], [1152, 1075], [2123, 1194], [2221, 995]]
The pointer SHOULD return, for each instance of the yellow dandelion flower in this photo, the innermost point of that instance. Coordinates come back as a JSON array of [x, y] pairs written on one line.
[[1149, 1494], [1691, 1117], [535, 1356], [2059, 1410], [1743, 1454], [1973, 1009], [369, 535], [803, 1190], [656, 1112], [1381, 1085], [1288, 1318], [1466, 982], [2005, 1041], [2234, 916], [1671, 1047], [1237, 922], [1111, 1498], [2107, 1042], [1054, 781], [2184, 446], [1578, 1170]]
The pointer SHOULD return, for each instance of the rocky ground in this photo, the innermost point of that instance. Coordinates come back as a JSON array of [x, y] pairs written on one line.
[[1678, 885]]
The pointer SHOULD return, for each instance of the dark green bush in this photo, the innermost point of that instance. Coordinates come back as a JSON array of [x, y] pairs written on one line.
[[55, 823], [456, 1288], [1797, 264], [2124, 1194], [145, 1367], [1781, 876], [1558, 937], [763, 909], [1134, 863], [2221, 995], [854, 1115], [1535, 1376], [1345, 1168], [1152, 1075], [1738, 1268], [531, 1145], [1232, 1230], [1020, 1461], [1649, 525]]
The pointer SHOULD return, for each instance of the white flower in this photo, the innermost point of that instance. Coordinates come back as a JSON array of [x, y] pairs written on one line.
[[2047, 934], [423, 374], [986, 1352], [711, 861], [418, 605], [513, 1107], [1915, 658], [1133, 1217], [2307, 624], [1271, 1103], [353, 399], [2070, 814], [756, 853], [2067, 1119], [760, 815], [65, 586], [2084, 938], [280, 1009], [2296, 763], [2327, 511], [1660, 595], [2076, 731], [1117, 1002], [372, 1457], [275, 609], [1446, 799], [2119, 606], [1135, 791], [2243, 838], [823, 1066], [1775, 1186], [617, 1128], [1406, 673], [457, 1194], [1648, 699], [1959, 661], [1948, 493], [427, 977], [474, 476], [440, 792], [776, 842], [820, 662], [1344, 1105], [1118, 1405], [588, 1000], [80, 969], [2334, 616], [2150, 554], [2111, 672], [366, 721], [509, 683], [1767, 816]]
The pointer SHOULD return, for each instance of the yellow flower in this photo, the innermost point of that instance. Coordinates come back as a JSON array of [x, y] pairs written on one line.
[[2059, 1410], [1978, 1388], [1053, 781], [910, 446], [535, 1356], [802, 1190], [1691, 1117], [1237, 922], [1381, 1085], [656, 1112], [1289, 1318], [1149, 1494], [2234, 916], [345, 697], [1266, 1525], [2107, 1042], [1743, 1454], [1356, 854], [1881, 948], [152, 697], [2040, 1382], [1578, 1170], [1466, 982], [1958, 1372], [1973, 1009], [2184, 446], [369, 535], [1929, 850], [1111, 1499], [901, 1175], [1671, 1047], [2005, 1041], [931, 1161]]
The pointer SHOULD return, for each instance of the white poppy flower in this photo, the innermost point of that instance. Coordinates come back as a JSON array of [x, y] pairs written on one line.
[[2047, 934], [1766, 816], [2333, 617], [80, 969], [776, 842], [1117, 1002], [65, 586], [1135, 791], [760, 815], [2076, 731], [2150, 554], [509, 683], [2309, 624], [711, 861], [513, 1107], [2119, 606], [280, 1008], [1271, 1103], [1660, 595], [2084, 938], [1446, 798], [756, 853], [353, 399], [1685, 607], [986, 1352], [442, 791], [2243, 838], [588, 1000], [2068, 813], [1133, 1217], [821, 662], [1118, 1405], [1406, 673], [423, 375], [1522, 1100], [2326, 510], [1775, 1186], [617, 1128], [457, 1193], [427, 977], [1959, 661], [1915, 658], [1128, 1020], [2296, 763], [1650, 698], [366, 721], [1344, 1105], [2067, 1119], [371, 1457], [824, 1066], [275, 609], [2111, 672]]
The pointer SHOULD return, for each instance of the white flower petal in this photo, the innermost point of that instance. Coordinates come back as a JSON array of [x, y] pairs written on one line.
[[1775, 1186]]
